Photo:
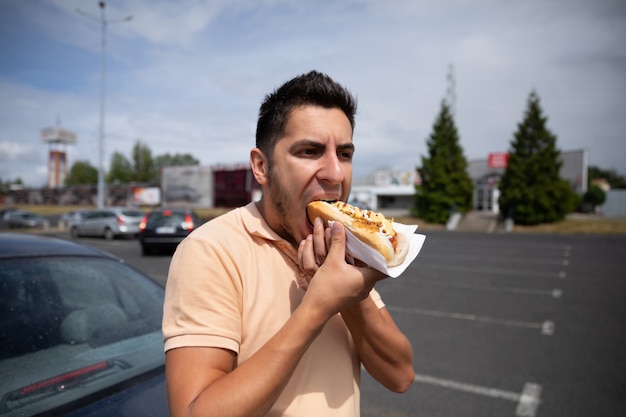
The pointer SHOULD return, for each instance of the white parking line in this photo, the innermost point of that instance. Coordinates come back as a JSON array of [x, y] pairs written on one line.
[[527, 401], [546, 327], [555, 293], [506, 260], [499, 271]]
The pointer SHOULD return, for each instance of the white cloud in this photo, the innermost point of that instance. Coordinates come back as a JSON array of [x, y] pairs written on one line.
[[188, 77]]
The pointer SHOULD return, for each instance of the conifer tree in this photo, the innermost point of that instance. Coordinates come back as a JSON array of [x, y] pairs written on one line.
[[446, 185], [532, 190]]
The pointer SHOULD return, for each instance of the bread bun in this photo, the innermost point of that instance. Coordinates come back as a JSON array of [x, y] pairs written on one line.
[[370, 227]]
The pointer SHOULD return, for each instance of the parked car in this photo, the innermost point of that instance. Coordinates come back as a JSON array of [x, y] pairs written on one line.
[[181, 193], [72, 217], [80, 331], [7, 210], [20, 219], [166, 228], [109, 223]]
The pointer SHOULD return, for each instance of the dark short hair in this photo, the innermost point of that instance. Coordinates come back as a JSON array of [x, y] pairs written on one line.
[[312, 88]]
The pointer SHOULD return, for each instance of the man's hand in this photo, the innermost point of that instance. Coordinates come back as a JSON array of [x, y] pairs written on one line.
[[334, 283]]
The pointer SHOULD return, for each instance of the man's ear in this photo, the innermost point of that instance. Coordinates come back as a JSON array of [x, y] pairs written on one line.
[[259, 165]]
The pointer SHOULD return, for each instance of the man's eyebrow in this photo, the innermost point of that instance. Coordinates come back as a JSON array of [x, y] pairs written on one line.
[[347, 146], [308, 142], [318, 145]]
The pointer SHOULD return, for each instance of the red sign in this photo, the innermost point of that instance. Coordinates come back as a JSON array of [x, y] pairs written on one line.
[[498, 160]]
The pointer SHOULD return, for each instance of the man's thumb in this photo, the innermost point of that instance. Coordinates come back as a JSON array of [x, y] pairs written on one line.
[[338, 239]]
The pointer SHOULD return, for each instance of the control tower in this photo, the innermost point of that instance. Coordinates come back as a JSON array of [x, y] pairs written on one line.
[[57, 140]]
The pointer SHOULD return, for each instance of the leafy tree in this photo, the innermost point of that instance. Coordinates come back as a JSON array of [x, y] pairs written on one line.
[[82, 172], [121, 169], [446, 185], [532, 189], [144, 169], [6, 185], [614, 179], [141, 169], [167, 160]]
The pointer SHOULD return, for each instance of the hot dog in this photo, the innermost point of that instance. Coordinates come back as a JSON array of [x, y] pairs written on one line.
[[370, 227]]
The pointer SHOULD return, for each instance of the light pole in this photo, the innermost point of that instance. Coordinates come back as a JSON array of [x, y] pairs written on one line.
[[104, 22]]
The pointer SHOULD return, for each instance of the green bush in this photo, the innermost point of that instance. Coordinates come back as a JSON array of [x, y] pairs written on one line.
[[595, 196]]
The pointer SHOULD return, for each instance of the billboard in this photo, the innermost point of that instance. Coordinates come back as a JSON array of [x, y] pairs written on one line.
[[187, 185], [146, 196], [497, 160], [57, 135]]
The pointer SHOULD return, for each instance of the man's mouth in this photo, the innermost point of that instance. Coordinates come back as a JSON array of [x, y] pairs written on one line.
[[327, 200]]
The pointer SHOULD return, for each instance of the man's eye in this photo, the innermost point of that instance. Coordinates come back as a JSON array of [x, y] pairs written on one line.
[[347, 155], [309, 152]]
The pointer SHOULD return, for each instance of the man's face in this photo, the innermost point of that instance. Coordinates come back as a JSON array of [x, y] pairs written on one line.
[[312, 161]]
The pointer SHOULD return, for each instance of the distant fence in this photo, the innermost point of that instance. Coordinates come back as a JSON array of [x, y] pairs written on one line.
[[115, 194]]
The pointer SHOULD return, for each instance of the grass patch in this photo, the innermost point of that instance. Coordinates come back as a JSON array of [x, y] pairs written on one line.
[[594, 225]]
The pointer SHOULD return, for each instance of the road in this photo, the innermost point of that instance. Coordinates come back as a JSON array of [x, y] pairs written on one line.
[[501, 325]]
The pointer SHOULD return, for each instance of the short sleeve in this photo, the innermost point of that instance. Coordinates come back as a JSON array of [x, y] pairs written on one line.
[[202, 297]]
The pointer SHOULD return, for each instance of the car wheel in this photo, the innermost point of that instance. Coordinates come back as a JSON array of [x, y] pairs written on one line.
[[146, 250], [74, 231], [108, 234]]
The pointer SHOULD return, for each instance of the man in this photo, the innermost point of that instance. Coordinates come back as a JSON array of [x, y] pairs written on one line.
[[263, 315]]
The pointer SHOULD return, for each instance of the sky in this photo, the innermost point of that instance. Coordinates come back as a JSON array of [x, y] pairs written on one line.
[[188, 76]]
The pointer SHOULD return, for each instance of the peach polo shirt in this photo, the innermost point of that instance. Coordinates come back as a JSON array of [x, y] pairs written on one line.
[[232, 284]]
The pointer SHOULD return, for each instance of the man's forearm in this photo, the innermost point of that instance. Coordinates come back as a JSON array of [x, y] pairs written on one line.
[[252, 388], [385, 352]]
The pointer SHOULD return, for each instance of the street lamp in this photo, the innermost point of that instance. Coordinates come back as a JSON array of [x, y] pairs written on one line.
[[104, 22]]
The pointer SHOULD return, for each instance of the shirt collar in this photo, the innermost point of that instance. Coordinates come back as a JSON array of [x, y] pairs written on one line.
[[256, 225]]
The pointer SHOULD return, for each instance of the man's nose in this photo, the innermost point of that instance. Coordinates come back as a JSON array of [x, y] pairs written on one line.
[[331, 170]]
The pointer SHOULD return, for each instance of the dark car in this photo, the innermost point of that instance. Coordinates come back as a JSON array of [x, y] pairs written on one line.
[[19, 219], [164, 229], [80, 332]]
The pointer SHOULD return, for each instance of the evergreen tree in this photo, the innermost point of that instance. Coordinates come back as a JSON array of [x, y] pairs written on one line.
[[446, 185], [532, 190], [82, 172]]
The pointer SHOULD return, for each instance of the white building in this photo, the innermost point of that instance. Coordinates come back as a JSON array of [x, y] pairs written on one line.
[[387, 189]]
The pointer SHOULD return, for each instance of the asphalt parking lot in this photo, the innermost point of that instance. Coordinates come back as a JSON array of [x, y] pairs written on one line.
[[501, 325], [511, 325]]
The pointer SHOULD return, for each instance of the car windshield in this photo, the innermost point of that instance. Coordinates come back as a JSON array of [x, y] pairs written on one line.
[[165, 218], [73, 326]]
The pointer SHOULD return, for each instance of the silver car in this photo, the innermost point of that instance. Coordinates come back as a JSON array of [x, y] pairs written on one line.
[[73, 217], [19, 219], [109, 223]]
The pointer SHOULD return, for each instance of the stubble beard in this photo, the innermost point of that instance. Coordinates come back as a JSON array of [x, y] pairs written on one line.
[[280, 201]]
